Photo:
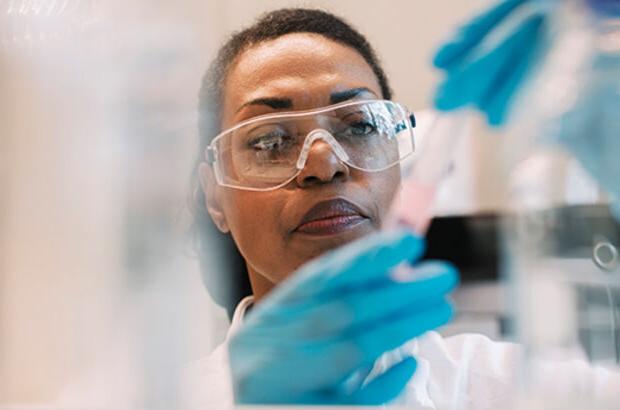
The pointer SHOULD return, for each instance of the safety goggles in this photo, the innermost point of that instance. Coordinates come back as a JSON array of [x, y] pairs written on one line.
[[269, 151]]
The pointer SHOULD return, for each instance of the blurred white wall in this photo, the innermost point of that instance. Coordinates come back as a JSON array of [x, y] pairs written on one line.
[[96, 143], [403, 32]]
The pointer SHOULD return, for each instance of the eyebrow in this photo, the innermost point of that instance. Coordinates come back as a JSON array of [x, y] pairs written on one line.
[[275, 103], [286, 103], [341, 96]]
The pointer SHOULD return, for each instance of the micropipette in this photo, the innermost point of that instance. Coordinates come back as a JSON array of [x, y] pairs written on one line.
[[413, 205]]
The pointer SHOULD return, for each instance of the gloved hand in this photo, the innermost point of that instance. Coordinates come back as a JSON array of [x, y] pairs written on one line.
[[315, 337], [489, 57], [488, 73], [590, 129]]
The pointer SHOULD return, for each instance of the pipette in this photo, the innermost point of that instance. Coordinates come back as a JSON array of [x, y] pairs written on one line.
[[413, 206]]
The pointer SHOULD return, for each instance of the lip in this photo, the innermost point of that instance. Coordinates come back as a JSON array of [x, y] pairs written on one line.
[[331, 217]]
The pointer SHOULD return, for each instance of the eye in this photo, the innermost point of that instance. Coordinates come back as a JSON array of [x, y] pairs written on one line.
[[362, 128], [358, 124], [271, 141]]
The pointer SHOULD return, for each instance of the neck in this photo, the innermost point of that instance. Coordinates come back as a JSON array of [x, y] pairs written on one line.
[[261, 286]]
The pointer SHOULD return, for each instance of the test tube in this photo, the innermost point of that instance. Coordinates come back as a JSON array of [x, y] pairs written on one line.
[[413, 206]]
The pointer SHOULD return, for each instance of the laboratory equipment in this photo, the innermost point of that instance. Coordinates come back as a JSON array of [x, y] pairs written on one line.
[[561, 257], [97, 285], [412, 207]]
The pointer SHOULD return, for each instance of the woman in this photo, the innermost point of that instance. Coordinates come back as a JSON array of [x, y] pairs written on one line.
[[289, 108]]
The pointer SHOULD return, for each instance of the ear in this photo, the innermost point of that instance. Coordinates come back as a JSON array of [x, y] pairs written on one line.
[[212, 200]]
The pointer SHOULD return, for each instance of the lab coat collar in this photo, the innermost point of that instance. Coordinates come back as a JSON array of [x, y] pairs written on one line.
[[240, 311]]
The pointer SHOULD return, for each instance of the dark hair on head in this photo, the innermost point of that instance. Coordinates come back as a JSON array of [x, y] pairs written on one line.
[[226, 278]]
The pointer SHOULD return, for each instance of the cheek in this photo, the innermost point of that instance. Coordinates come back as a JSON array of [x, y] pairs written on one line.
[[255, 225], [383, 186]]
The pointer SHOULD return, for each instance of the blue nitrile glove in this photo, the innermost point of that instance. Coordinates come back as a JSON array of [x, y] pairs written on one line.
[[605, 7], [315, 337], [591, 128], [489, 57]]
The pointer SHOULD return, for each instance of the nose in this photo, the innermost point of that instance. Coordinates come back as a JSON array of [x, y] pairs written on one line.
[[322, 166]]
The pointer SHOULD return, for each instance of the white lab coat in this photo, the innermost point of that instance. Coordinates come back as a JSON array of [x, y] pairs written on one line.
[[467, 371]]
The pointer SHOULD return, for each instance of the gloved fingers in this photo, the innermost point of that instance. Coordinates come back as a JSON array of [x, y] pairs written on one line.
[[590, 131], [387, 334], [313, 341], [470, 84], [429, 281], [467, 85], [496, 103], [385, 387], [468, 36], [356, 379], [354, 264]]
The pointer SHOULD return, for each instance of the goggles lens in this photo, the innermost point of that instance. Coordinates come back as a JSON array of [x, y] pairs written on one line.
[[263, 153]]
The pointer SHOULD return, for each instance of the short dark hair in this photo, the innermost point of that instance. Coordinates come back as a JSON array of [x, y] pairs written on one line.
[[227, 279]]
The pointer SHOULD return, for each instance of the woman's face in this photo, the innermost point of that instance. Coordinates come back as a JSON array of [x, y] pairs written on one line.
[[328, 203]]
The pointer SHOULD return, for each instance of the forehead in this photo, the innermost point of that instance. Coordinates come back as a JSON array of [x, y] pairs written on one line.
[[304, 67]]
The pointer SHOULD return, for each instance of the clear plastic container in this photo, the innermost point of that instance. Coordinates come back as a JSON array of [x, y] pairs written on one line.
[[561, 240]]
